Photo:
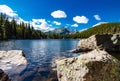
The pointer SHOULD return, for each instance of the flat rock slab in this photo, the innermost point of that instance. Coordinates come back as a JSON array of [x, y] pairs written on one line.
[[12, 61]]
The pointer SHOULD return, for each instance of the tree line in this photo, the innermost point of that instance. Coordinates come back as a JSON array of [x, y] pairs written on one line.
[[12, 30], [106, 28]]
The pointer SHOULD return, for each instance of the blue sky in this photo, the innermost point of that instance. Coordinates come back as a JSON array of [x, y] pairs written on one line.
[[77, 14]]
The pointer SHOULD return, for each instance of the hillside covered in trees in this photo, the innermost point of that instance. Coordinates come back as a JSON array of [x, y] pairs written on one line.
[[12, 30], [107, 28]]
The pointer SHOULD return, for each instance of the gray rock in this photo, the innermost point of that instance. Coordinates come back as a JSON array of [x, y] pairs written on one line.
[[108, 42], [96, 65], [12, 62]]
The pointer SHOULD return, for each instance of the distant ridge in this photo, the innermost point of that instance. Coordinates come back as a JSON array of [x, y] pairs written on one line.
[[61, 31]]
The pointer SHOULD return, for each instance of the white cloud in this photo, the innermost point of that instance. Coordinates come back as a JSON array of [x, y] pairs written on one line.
[[56, 23], [10, 13], [59, 14], [99, 24], [41, 24], [81, 19], [97, 17], [74, 25]]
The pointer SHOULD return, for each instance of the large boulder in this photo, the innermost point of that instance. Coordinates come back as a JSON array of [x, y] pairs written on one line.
[[4, 76], [12, 62], [108, 42], [96, 65]]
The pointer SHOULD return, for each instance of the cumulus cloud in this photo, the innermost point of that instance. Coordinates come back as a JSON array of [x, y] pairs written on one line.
[[56, 23], [7, 10], [41, 24], [74, 25], [10, 13], [81, 19], [58, 14], [97, 17]]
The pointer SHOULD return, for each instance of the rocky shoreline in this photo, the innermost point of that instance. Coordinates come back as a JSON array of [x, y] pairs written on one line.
[[11, 62], [100, 63]]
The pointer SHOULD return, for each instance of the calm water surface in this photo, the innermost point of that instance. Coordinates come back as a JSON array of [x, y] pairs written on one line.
[[39, 54]]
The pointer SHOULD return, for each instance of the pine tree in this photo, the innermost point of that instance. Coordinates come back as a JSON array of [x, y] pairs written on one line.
[[13, 24]]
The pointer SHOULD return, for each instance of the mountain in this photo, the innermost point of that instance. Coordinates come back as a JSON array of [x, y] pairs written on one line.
[[104, 28], [61, 31]]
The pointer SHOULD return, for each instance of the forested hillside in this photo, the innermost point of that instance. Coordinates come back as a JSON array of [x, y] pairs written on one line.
[[12, 30], [108, 28]]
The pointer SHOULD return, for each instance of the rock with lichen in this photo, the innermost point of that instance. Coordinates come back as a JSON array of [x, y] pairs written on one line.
[[96, 65]]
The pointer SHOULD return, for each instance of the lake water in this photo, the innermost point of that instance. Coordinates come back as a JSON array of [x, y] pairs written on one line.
[[40, 54]]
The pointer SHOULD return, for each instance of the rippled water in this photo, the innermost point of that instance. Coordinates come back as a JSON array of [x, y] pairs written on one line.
[[39, 54]]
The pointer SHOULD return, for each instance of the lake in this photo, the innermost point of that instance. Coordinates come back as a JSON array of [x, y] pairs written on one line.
[[40, 54]]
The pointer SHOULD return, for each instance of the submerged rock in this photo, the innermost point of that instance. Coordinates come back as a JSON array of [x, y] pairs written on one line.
[[12, 62], [108, 42], [4, 76], [96, 65]]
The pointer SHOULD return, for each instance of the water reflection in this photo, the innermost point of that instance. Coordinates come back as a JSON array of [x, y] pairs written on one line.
[[39, 54], [7, 45]]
